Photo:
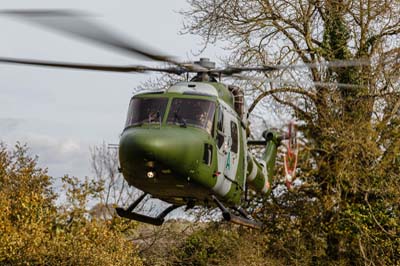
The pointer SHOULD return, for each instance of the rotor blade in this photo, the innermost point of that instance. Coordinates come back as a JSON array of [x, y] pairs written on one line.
[[236, 70], [79, 66], [333, 63], [292, 83], [269, 68], [74, 23]]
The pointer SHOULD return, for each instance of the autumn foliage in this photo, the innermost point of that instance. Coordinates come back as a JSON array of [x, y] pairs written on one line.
[[33, 231]]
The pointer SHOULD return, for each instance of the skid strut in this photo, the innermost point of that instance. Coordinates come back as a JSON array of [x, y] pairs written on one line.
[[130, 214], [241, 220]]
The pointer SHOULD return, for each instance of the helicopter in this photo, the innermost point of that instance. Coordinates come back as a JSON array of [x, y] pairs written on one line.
[[188, 144]]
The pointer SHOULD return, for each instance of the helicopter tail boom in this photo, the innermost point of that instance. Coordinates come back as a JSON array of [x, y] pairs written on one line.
[[259, 174]]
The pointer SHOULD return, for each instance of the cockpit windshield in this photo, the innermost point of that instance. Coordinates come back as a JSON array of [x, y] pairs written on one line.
[[146, 110], [195, 112]]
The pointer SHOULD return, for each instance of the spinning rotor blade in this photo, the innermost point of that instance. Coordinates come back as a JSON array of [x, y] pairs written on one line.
[[291, 83], [108, 68], [74, 23], [268, 68]]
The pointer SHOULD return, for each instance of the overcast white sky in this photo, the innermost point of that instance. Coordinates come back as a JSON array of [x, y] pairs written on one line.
[[61, 113]]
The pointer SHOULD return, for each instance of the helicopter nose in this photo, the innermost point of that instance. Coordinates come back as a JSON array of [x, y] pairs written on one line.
[[175, 148]]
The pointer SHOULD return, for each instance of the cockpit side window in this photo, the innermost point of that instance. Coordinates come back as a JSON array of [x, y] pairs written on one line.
[[195, 112], [146, 110]]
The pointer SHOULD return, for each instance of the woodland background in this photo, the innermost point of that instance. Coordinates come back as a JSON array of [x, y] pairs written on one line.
[[345, 210]]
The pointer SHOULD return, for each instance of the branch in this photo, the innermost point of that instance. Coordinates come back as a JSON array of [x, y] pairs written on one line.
[[390, 116], [280, 90], [306, 116], [373, 217]]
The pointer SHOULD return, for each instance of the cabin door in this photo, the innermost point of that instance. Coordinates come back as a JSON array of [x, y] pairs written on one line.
[[228, 147]]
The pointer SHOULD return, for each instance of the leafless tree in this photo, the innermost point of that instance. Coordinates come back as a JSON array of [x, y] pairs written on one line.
[[350, 116], [116, 191]]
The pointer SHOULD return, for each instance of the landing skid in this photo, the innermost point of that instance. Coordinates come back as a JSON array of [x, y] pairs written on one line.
[[241, 220], [130, 214]]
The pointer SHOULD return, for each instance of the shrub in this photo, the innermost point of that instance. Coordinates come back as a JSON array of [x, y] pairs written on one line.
[[34, 232]]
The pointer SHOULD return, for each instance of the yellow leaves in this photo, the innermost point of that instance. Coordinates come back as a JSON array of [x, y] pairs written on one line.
[[33, 232]]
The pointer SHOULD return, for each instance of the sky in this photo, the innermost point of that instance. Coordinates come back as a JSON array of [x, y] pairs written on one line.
[[61, 113]]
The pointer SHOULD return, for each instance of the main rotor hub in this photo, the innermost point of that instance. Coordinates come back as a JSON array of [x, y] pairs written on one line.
[[206, 63]]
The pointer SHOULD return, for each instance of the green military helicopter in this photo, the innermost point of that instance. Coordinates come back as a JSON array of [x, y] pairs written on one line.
[[188, 144]]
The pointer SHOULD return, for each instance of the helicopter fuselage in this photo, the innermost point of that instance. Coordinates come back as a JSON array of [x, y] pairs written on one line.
[[188, 144], [185, 144]]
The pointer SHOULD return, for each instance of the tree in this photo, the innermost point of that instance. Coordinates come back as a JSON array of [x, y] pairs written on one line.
[[34, 231], [347, 205], [116, 191]]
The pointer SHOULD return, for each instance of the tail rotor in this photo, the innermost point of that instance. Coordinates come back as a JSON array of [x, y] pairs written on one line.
[[290, 157]]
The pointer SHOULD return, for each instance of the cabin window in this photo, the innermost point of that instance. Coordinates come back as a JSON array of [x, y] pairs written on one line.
[[220, 122], [146, 110], [194, 112], [234, 135], [220, 128]]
